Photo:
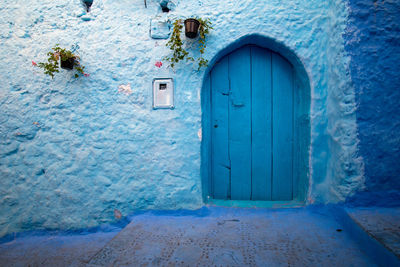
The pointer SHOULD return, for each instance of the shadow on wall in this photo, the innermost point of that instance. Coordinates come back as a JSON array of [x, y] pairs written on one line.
[[302, 84], [373, 42]]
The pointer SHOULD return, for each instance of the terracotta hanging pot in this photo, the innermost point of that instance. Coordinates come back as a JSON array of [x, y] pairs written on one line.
[[191, 28], [68, 64], [88, 4]]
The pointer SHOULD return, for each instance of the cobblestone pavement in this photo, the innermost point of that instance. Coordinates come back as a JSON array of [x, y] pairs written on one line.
[[211, 236]]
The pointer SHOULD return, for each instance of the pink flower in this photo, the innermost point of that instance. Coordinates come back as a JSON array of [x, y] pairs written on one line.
[[86, 74], [34, 63], [158, 64]]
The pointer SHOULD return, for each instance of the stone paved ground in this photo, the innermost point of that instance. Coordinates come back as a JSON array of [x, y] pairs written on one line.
[[381, 223], [208, 237], [53, 250], [233, 237]]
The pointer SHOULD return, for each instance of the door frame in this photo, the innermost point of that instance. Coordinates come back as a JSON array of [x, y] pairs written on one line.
[[303, 91]]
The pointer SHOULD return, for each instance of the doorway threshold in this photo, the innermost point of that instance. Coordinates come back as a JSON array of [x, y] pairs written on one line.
[[256, 203]]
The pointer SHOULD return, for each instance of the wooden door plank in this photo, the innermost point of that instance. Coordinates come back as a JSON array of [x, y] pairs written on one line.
[[282, 91], [261, 123], [220, 166], [240, 123], [206, 147]]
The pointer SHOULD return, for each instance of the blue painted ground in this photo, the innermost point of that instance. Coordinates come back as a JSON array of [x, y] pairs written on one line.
[[381, 223], [211, 236]]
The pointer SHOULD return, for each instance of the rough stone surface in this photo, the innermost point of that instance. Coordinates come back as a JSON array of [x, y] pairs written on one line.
[[373, 42], [73, 150]]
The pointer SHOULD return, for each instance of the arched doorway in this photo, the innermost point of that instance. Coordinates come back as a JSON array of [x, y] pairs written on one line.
[[257, 127]]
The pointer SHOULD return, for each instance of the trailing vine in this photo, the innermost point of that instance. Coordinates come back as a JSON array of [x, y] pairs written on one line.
[[175, 44], [204, 30], [51, 66]]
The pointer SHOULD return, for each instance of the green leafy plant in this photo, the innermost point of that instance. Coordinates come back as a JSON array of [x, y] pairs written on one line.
[[175, 43], [204, 30], [52, 65]]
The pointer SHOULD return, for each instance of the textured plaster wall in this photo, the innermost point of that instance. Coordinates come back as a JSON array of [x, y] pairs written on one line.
[[334, 105], [373, 42], [73, 150]]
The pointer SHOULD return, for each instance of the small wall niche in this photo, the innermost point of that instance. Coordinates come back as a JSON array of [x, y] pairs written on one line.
[[159, 28]]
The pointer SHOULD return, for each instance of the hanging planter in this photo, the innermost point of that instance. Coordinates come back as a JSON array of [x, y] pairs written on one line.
[[68, 61], [88, 4], [164, 5], [68, 64], [191, 28]]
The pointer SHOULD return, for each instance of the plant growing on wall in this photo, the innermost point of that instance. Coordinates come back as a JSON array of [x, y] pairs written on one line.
[[175, 43], [68, 60]]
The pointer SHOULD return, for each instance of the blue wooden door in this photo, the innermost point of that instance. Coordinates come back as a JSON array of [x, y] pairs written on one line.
[[252, 126]]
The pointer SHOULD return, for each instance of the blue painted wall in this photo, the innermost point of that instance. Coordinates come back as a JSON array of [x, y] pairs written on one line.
[[73, 150], [373, 42]]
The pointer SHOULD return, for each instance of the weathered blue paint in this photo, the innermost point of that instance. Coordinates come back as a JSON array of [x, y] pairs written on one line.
[[372, 40], [282, 129], [219, 130], [252, 126], [73, 150], [239, 110], [302, 136], [252, 107], [261, 122]]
